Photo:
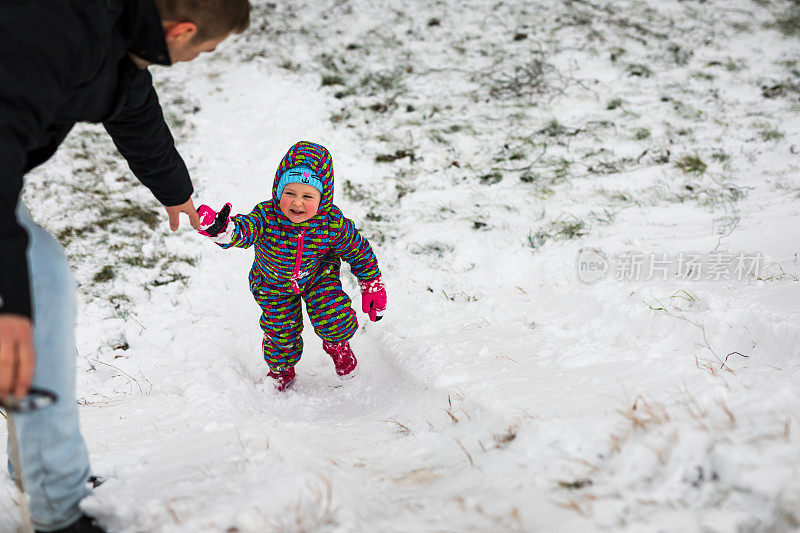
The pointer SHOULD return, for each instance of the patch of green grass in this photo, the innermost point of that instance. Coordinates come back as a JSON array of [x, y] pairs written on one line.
[[708, 192], [621, 197], [106, 274], [170, 278], [679, 54], [162, 258], [291, 66], [338, 118], [542, 188], [344, 93], [614, 103], [781, 88], [398, 154], [639, 70], [720, 155], [553, 129], [561, 168], [563, 228], [575, 485], [691, 164], [789, 22], [536, 77], [65, 236], [770, 134], [354, 191], [478, 225], [616, 53], [122, 305], [382, 106], [175, 120], [605, 217], [609, 166], [730, 64], [435, 248], [705, 76], [641, 133], [383, 81], [331, 62], [734, 65], [332, 79], [141, 261], [127, 213], [402, 187], [742, 27], [491, 178]]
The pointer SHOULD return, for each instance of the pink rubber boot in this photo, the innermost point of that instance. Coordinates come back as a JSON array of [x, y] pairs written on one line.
[[282, 379], [343, 358]]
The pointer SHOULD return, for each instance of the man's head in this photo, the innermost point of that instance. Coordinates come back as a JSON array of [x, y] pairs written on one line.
[[192, 27]]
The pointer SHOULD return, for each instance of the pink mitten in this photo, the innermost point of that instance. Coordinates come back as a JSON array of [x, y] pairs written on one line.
[[213, 223], [373, 298]]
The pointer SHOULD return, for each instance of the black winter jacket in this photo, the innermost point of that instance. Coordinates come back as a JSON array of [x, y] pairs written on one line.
[[66, 61]]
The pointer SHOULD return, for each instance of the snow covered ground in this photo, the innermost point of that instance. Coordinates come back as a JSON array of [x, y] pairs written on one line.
[[586, 214]]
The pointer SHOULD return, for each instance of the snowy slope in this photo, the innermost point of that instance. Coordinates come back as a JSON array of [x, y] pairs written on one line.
[[485, 150]]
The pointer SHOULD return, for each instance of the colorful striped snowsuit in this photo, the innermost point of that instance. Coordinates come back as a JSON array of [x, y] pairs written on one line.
[[301, 260]]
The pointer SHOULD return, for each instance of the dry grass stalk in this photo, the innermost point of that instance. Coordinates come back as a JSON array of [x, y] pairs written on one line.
[[452, 416], [707, 366], [728, 412], [695, 410], [471, 462], [572, 505], [647, 415], [400, 427], [617, 441], [449, 411]]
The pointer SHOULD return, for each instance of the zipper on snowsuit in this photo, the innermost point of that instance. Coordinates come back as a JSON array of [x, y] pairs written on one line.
[[298, 258]]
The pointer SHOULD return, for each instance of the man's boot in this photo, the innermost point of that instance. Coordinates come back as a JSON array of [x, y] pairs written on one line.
[[85, 524]]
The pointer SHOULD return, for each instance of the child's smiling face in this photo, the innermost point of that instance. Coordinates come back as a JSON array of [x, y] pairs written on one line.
[[299, 202]]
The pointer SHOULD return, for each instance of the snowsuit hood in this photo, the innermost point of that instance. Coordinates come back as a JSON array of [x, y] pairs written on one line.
[[316, 157]]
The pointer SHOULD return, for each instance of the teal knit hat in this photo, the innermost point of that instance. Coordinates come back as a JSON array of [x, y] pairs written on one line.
[[301, 174]]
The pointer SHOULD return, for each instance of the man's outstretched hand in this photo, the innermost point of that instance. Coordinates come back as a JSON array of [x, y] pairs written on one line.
[[174, 212], [17, 359]]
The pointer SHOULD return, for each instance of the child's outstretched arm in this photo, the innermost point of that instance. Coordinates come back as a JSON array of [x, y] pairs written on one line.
[[351, 246], [241, 231]]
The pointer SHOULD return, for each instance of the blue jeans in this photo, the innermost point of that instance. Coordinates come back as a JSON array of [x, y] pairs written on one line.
[[54, 458]]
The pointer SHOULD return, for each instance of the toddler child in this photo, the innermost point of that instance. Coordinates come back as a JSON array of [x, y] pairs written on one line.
[[299, 236]]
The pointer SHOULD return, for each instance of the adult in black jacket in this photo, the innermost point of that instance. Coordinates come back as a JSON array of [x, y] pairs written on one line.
[[62, 62]]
